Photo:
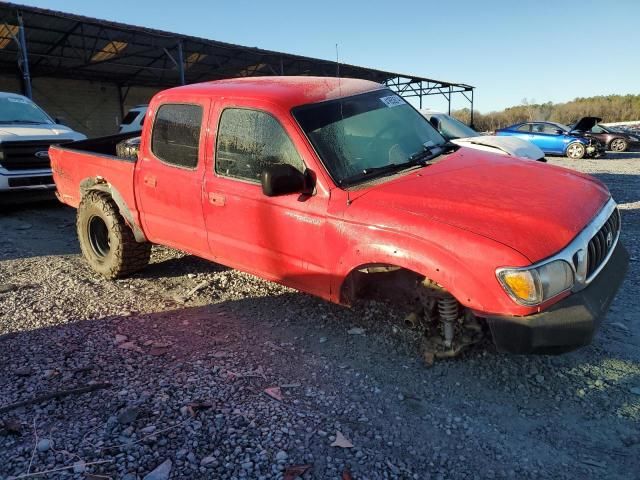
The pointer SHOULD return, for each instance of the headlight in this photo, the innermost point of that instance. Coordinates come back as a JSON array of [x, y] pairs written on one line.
[[533, 286]]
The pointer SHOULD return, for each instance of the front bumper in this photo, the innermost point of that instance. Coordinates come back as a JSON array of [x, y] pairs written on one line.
[[568, 324], [596, 149], [36, 179]]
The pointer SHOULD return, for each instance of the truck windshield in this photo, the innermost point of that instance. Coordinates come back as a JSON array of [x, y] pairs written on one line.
[[453, 128], [19, 110], [373, 133]]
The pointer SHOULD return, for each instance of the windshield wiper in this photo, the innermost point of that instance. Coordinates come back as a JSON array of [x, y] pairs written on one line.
[[429, 152], [30, 122], [373, 172], [417, 159]]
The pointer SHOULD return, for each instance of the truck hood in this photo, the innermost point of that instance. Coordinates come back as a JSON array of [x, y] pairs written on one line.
[[514, 146], [37, 132], [532, 207]]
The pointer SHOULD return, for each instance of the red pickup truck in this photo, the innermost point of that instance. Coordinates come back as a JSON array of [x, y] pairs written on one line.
[[340, 188]]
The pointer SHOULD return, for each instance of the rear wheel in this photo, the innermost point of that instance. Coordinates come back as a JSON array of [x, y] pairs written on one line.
[[618, 145], [107, 242], [576, 151]]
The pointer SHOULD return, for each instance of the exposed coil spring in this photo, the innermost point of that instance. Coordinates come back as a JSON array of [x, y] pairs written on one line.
[[448, 308]]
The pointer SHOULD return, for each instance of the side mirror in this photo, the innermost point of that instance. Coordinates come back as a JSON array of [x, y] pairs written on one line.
[[282, 179], [559, 131], [58, 121]]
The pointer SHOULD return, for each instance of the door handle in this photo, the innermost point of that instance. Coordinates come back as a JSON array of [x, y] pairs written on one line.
[[150, 180], [216, 199]]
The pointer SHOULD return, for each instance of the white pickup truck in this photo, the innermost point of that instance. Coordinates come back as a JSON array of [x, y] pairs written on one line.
[[26, 132]]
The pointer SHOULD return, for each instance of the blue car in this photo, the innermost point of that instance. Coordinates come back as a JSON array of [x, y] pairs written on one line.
[[555, 139]]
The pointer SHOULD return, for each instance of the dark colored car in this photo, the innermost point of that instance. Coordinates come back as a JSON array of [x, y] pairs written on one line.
[[614, 140], [556, 139]]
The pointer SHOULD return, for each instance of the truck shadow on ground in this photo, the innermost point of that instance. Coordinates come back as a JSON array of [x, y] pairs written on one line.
[[622, 155], [37, 229], [560, 412], [179, 266]]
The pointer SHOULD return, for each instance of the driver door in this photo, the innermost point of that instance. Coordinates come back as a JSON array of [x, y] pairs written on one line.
[[279, 238]]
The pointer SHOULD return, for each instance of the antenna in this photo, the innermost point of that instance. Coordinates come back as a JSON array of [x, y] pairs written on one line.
[[340, 93]]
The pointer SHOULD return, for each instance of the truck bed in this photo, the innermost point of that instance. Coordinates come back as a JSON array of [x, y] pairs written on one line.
[[76, 165]]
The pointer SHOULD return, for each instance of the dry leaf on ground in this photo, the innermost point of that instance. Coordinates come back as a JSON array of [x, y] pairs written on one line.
[[341, 441]]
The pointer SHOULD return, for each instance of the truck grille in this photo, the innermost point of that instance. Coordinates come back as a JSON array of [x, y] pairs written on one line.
[[17, 155], [602, 242]]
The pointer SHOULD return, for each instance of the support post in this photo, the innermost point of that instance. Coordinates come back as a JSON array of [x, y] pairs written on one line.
[[180, 63], [472, 108], [121, 102], [24, 63], [449, 100]]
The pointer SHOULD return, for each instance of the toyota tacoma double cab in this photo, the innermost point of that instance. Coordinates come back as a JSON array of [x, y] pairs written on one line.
[[340, 188]]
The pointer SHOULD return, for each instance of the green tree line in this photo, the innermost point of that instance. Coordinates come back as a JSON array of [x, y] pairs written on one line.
[[611, 108]]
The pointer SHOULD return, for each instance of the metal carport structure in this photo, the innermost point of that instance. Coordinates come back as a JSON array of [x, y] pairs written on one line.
[[36, 42]]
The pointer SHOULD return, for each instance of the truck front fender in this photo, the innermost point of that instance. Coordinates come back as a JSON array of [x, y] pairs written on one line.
[[460, 261], [435, 263]]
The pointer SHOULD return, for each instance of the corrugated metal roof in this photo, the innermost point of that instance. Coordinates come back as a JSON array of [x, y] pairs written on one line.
[[67, 45]]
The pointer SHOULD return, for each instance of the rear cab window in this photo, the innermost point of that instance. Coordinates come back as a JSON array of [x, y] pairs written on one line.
[[175, 138]]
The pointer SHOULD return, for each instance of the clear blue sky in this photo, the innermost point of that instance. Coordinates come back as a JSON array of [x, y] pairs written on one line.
[[543, 50]]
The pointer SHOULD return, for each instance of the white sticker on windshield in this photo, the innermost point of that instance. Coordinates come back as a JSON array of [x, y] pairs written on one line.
[[17, 100], [392, 101]]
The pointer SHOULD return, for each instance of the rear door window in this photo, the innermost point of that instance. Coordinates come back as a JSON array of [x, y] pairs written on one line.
[[175, 138]]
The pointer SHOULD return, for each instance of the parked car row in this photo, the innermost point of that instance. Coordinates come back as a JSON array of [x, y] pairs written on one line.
[[26, 132], [556, 139], [457, 132], [585, 138]]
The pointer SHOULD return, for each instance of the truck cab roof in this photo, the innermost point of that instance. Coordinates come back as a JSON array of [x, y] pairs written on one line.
[[288, 92]]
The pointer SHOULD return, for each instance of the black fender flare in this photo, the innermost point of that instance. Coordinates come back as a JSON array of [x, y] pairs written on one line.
[[100, 184]]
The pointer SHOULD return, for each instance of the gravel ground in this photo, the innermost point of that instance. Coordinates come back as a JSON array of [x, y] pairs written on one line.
[[177, 360]]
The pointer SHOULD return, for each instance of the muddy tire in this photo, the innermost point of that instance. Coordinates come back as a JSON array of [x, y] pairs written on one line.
[[576, 151], [107, 242], [618, 145]]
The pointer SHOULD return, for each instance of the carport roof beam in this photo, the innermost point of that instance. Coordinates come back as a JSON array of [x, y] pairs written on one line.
[[65, 45]]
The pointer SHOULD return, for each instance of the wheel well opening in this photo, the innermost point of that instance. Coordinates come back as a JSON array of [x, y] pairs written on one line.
[[381, 282], [100, 184]]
